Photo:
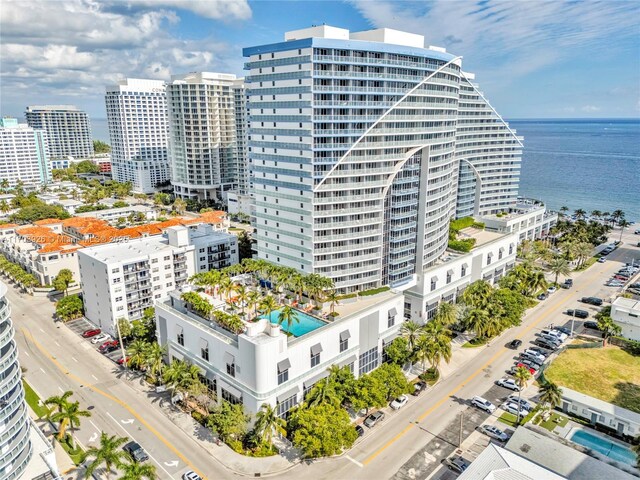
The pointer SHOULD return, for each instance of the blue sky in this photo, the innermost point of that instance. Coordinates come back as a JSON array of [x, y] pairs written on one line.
[[532, 59]]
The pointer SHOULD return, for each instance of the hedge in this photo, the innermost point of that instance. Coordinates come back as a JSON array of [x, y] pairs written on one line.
[[462, 245]]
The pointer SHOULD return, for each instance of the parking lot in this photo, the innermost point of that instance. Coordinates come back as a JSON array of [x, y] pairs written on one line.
[[81, 325]]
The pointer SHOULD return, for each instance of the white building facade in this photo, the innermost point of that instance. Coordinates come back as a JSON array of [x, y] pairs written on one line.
[[263, 364], [207, 135], [24, 154], [68, 129], [357, 142], [528, 218], [139, 133], [626, 313]]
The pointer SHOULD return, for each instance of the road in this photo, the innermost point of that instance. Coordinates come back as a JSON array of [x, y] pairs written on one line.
[[57, 360]]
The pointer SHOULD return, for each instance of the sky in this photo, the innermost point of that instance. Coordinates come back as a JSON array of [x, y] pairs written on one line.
[[532, 59]]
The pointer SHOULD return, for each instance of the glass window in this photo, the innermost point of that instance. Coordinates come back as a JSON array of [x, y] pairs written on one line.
[[315, 359], [204, 353], [368, 360], [229, 397], [391, 321], [283, 376], [231, 369], [285, 406], [181, 339], [344, 345]]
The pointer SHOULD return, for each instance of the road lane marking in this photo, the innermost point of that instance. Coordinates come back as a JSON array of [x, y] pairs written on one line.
[[95, 426], [41, 330], [353, 460], [60, 388], [56, 343], [42, 370], [146, 424], [74, 359], [132, 438], [127, 422], [27, 354], [94, 377], [460, 386]]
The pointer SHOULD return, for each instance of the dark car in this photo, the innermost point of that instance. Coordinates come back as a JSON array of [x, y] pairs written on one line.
[[592, 301], [91, 333], [419, 387], [374, 418], [593, 325], [457, 464], [542, 296], [359, 430], [569, 281], [578, 313], [513, 344], [565, 330], [136, 451]]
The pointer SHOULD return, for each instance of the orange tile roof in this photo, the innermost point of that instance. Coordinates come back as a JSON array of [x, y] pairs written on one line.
[[8, 225], [48, 221], [48, 240]]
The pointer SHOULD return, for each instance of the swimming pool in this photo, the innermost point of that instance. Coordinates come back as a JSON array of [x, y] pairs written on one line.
[[305, 324], [612, 449]]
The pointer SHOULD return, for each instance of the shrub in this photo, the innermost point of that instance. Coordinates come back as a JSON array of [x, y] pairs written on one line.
[[374, 291], [478, 225], [462, 245], [461, 223]]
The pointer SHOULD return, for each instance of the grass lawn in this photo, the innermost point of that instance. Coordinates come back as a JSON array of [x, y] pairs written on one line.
[[475, 342], [508, 419], [610, 374], [590, 261], [235, 230], [552, 423], [33, 401]]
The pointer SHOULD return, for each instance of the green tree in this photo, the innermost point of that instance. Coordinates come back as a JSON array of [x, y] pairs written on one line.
[[521, 377], [229, 421], [558, 266], [38, 211], [69, 417], [87, 166], [154, 361], [477, 294], [133, 470], [288, 315], [125, 328], [398, 352], [108, 453], [607, 326], [478, 321], [244, 246], [392, 380], [137, 352], [179, 206], [268, 423], [622, 224], [447, 314], [70, 307], [550, 394], [535, 281], [434, 345], [4, 206], [332, 297], [101, 147], [323, 392], [267, 305], [367, 392], [322, 431], [411, 331], [58, 402]]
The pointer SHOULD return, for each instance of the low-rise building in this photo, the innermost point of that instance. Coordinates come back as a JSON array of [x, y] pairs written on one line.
[[600, 413], [263, 364], [239, 203], [492, 256], [626, 313], [213, 249], [112, 215], [529, 219]]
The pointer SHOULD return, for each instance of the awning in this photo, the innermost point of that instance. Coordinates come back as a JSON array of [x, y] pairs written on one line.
[[316, 378], [178, 330], [347, 361], [203, 344], [465, 266], [434, 278], [316, 349], [490, 254], [284, 365], [232, 390], [450, 271], [501, 249], [287, 395], [345, 335], [228, 358], [393, 312]]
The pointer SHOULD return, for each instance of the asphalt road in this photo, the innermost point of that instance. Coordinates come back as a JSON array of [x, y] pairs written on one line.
[[57, 359]]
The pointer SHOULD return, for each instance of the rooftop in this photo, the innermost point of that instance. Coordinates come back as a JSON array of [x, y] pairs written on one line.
[[122, 252], [482, 236], [627, 304], [601, 405]]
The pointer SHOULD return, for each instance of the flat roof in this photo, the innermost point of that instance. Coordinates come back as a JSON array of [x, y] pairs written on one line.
[[482, 236], [627, 303], [127, 251], [601, 405]]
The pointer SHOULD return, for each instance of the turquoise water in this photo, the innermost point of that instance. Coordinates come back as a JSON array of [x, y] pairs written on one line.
[[305, 324], [613, 450]]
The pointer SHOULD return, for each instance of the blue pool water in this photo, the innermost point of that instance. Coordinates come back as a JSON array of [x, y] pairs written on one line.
[[305, 324], [614, 450]]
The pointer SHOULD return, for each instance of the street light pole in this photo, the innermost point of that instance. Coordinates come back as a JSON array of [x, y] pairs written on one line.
[[124, 358], [573, 318]]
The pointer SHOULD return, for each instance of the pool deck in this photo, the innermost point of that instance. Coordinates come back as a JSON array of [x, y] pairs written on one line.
[[357, 304]]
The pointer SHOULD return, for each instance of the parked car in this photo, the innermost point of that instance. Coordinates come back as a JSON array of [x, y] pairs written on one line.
[[521, 401], [191, 475], [531, 364], [374, 418], [514, 344], [592, 325], [91, 333], [592, 301], [419, 387], [541, 342], [578, 313], [532, 358], [399, 402], [535, 353], [551, 290], [565, 330], [483, 404], [542, 296], [136, 451], [457, 464], [569, 282], [514, 368], [515, 409], [551, 339], [554, 333], [109, 346], [359, 430], [602, 259], [493, 432], [509, 383], [122, 360], [101, 338]]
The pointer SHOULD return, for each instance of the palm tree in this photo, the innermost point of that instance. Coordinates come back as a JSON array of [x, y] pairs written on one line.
[[477, 320], [521, 376], [617, 215], [332, 297], [436, 341], [563, 210], [137, 353], [608, 328], [269, 423], [623, 224], [606, 216], [288, 315], [225, 287], [411, 331], [550, 394], [242, 294], [583, 251], [267, 305], [447, 314], [477, 294], [558, 266], [596, 214], [579, 213], [4, 206], [180, 376], [59, 403], [133, 470], [253, 299], [322, 392], [69, 417], [108, 453], [154, 360]]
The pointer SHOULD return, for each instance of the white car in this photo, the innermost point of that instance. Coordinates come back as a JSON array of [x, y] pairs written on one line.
[[514, 409], [103, 337], [540, 358], [602, 259], [399, 402], [509, 383], [523, 403], [493, 432], [551, 290], [483, 404], [191, 475]]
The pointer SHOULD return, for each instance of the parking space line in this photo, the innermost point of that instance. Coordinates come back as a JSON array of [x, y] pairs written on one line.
[[74, 359], [94, 377], [353, 460]]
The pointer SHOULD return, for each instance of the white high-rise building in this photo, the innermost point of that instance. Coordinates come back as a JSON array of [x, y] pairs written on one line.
[[357, 142], [207, 135], [68, 129], [139, 132], [24, 153]]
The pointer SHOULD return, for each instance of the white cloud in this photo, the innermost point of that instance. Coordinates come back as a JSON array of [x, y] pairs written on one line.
[[590, 109], [213, 9]]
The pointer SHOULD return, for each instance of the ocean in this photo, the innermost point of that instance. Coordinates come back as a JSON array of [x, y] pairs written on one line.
[[588, 164]]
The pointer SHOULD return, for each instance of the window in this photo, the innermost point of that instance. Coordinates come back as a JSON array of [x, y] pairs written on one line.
[[115, 270], [500, 253], [368, 360], [283, 376], [344, 343], [118, 299], [449, 276], [315, 359], [463, 270], [391, 320], [489, 256], [180, 338], [229, 397], [433, 284], [285, 406], [204, 351], [510, 249], [231, 369]]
